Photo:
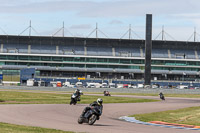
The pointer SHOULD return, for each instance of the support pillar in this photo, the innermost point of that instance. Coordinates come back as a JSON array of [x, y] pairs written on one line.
[[148, 48]]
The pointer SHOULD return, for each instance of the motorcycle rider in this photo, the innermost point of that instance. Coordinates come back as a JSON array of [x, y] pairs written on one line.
[[78, 93], [106, 93], [161, 96], [96, 104]]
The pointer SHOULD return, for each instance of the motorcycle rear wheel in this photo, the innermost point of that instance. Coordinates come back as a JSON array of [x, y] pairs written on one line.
[[92, 119]]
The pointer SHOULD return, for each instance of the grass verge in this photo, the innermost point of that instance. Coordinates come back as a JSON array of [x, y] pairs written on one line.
[[151, 94], [11, 128], [189, 116], [15, 97], [115, 93]]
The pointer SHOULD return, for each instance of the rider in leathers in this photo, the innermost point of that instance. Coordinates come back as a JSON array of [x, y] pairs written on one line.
[[97, 104], [161, 96], [78, 93]]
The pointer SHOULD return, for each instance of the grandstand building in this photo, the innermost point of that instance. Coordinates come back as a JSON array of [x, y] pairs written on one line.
[[97, 58]]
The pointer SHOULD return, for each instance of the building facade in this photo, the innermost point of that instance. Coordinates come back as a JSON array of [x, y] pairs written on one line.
[[69, 57]]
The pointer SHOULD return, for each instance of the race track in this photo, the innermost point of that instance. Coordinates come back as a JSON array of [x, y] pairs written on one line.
[[64, 116]]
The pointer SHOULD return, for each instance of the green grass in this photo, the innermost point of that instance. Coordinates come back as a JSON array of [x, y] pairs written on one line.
[[11, 128], [16, 97], [10, 97], [151, 94], [107, 99], [190, 116], [117, 93]]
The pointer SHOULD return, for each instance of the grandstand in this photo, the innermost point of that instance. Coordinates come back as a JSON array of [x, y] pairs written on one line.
[[69, 57]]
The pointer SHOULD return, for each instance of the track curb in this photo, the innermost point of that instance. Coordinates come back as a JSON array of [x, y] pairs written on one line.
[[133, 120]]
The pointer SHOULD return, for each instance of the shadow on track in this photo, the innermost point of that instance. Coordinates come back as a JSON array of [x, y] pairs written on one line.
[[101, 125]]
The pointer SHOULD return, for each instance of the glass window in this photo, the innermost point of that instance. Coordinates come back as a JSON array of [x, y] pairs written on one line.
[[68, 59], [2, 63], [79, 65], [113, 60], [57, 58], [77, 59], [22, 63], [23, 57], [102, 60], [11, 57], [11, 63], [67, 65], [113, 66], [180, 63], [34, 58], [123, 67], [124, 61], [102, 66], [91, 59], [3, 57], [90, 66], [137, 61], [134, 67]]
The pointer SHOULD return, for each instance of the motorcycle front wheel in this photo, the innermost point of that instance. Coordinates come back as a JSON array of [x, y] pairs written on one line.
[[92, 119], [80, 120]]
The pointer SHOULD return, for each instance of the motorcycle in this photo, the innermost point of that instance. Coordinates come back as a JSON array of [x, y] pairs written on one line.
[[90, 116], [74, 99], [106, 93], [162, 97]]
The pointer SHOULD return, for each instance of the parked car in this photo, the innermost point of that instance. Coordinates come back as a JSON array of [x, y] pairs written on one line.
[[68, 84], [112, 85], [132, 86], [91, 85], [191, 87], [120, 85], [196, 87], [140, 86], [79, 84], [104, 85], [154, 86], [125, 86], [182, 87]]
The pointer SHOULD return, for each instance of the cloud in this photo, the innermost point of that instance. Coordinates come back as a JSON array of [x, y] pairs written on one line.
[[187, 15], [133, 8], [81, 26], [117, 22], [46, 6], [181, 14], [89, 8]]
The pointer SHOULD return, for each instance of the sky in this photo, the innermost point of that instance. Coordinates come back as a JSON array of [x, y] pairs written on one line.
[[114, 18]]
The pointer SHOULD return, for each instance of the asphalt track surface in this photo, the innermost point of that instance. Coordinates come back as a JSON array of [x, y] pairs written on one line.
[[65, 116]]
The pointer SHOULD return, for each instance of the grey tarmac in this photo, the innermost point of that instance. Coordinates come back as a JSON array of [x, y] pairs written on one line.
[[65, 116]]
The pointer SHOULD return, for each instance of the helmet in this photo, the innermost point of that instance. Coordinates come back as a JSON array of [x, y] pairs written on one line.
[[77, 90], [99, 101]]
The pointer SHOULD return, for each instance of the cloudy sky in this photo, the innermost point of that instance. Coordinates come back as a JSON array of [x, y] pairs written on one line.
[[179, 17]]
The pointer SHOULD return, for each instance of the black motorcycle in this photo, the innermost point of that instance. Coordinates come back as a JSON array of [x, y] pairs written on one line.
[[162, 97], [74, 99], [90, 116], [106, 93]]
